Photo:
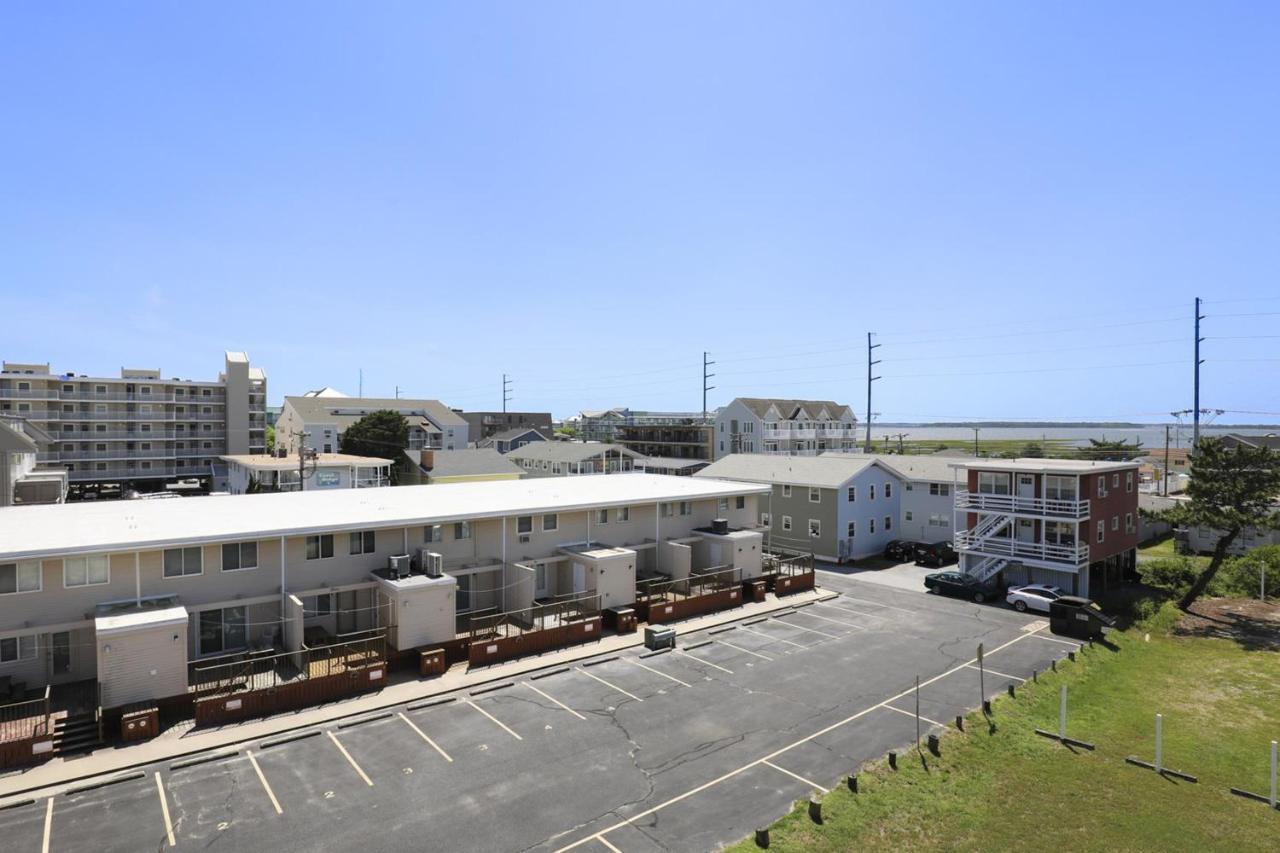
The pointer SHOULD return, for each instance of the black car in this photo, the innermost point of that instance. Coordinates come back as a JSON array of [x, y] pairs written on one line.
[[937, 554], [900, 549], [961, 585]]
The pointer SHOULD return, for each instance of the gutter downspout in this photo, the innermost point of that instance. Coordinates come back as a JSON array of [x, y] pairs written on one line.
[[137, 578]]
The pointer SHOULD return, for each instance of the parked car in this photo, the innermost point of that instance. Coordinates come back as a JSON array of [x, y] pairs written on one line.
[[1035, 596], [936, 554], [961, 585], [900, 549]]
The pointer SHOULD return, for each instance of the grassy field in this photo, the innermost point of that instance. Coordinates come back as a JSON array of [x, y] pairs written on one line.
[[989, 447], [1011, 789], [1164, 548]]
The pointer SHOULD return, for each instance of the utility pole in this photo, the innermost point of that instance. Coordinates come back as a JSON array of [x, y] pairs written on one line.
[[302, 456], [397, 392], [1195, 429], [361, 394], [870, 364], [705, 386], [506, 392], [901, 436], [1164, 475], [975, 440]]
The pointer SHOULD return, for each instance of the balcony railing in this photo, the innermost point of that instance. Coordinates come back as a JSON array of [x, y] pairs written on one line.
[[1054, 507], [28, 394], [1075, 553]]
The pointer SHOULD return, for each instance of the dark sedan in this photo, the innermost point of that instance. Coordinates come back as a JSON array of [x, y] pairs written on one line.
[[900, 549], [936, 554], [961, 585]]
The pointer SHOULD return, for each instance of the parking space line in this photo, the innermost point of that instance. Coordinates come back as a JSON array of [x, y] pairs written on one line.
[[1052, 639], [810, 630], [656, 672], [607, 684], [836, 621], [797, 776], [347, 755], [266, 786], [630, 821], [778, 639], [986, 668], [500, 724], [423, 735], [550, 698], [912, 715], [48, 826], [164, 808], [876, 603], [707, 662], [606, 843], [741, 649], [849, 610]]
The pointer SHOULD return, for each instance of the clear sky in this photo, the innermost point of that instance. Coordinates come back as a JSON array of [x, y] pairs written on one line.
[[1020, 198]]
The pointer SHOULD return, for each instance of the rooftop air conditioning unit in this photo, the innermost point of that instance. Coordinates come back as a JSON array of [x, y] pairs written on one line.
[[432, 563], [398, 566], [720, 525]]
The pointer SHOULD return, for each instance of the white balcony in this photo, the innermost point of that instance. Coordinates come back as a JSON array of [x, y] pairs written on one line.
[[1075, 554], [28, 394], [1015, 505]]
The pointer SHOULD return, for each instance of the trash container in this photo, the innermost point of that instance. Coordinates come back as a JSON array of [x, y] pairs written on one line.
[[431, 662], [620, 619], [1081, 618], [659, 637], [139, 721]]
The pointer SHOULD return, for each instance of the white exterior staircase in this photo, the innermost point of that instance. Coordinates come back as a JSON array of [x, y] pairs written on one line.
[[989, 526], [987, 568]]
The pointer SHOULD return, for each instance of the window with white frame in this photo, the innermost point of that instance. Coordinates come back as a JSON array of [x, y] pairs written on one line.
[[722, 505], [888, 522], [239, 555], [888, 490], [622, 513], [361, 542], [90, 570], [462, 530], [871, 525], [1128, 481], [907, 515], [766, 520], [852, 494], [686, 508], [433, 533], [740, 502], [23, 576], [939, 489], [815, 495], [1115, 480], [1059, 488], [13, 649], [180, 562], [550, 521], [524, 524], [852, 530], [786, 490], [320, 547], [871, 492], [602, 516], [786, 522], [1115, 523], [815, 528], [1102, 485], [1102, 532], [667, 510], [993, 483], [939, 520], [1128, 522]]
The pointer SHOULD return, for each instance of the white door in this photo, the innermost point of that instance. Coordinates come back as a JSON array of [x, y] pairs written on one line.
[[579, 577], [539, 580], [1026, 530], [1026, 486]]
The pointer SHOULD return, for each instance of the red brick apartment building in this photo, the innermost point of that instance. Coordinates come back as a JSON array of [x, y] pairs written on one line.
[[1071, 523]]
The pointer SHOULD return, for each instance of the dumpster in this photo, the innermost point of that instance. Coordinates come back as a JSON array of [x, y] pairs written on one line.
[[431, 662], [659, 637], [620, 619], [139, 721], [1076, 617]]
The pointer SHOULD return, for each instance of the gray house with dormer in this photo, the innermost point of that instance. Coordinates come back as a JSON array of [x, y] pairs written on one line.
[[784, 427]]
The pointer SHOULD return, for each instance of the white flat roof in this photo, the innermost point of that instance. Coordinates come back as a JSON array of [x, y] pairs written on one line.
[[132, 620], [262, 462], [76, 528], [1044, 466]]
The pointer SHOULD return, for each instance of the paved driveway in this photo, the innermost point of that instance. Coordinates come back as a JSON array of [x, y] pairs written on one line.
[[685, 750]]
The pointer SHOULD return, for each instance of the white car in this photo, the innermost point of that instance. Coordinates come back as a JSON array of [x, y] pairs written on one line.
[[1034, 596]]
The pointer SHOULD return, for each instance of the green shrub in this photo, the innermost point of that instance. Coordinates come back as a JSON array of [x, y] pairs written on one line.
[[1241, 576], [1175, 574]]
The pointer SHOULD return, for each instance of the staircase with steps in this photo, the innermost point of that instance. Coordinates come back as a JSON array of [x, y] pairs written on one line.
[[988, 527], [76, 733], [987, 569]]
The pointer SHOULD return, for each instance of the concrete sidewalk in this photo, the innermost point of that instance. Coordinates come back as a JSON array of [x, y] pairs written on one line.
[[49, 778], [904, 576]]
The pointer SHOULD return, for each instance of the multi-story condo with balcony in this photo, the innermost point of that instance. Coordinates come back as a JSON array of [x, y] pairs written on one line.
[[605, 425], [22, 479], [139, 430], [1070, 523], [573, 458], [683, 438], [483, 425], [784, 427], [319, 422]]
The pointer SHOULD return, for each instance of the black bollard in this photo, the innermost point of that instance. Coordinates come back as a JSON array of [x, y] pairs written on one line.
[[815, 810], [893, 760], [935, 745], [1071, 656], [852, 782], [1054, 664], [762, 836], [1035, 677], [959, 722], [986, 706], [1012, 695]]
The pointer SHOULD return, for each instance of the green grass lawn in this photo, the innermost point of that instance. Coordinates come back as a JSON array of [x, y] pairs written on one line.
[[1012, 789], [1163, 547]]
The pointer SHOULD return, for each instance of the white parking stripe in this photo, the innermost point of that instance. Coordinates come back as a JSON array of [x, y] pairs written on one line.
[[912, 715], [346, 754], [265, 785], [741, 649], [770, 637], [998, 672], [656, 672], [606, 843], [875, 603], [550, 698], [48, 826], [797, 776], [854, 625], [607, 684], [501, 724], [1053, 639], [707, 662], [810, 630], [423, 735], [850, 610], [164, 808]]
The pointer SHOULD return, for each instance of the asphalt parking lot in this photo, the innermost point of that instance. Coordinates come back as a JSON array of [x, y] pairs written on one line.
[[684, 750]]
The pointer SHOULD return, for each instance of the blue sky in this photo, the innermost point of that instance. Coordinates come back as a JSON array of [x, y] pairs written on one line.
[[1020, 199]]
